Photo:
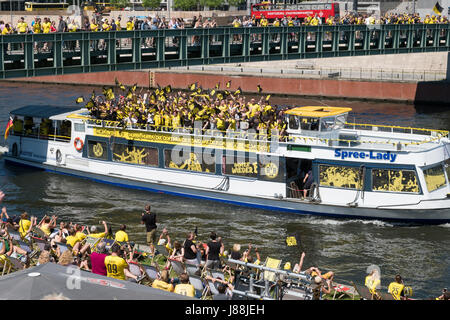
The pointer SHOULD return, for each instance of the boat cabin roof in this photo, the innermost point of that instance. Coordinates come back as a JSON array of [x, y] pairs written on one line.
[[317, 111], [44, 111]]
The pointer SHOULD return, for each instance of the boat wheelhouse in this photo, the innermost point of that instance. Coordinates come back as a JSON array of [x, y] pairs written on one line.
[[358, 170]]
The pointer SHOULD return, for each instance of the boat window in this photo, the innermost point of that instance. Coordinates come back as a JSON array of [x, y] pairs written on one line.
[[97, 150], [309, 123], [29, 126], [17, 126], [135, 154], [394, 180], [434, 177], [340, 122], [190, 161], [63, 130], [78, 127], [327, 124], [447, 168], [46, 129], [240, 166], [293, 122], [339, 176]]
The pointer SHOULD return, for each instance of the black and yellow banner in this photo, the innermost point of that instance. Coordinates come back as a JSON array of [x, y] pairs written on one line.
[[437, 8]]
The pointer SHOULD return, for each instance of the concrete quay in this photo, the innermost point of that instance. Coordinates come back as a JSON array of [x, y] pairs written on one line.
[[411, 78]]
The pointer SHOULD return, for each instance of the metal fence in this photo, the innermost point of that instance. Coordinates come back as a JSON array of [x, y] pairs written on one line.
[[27, 55], [378, 74]]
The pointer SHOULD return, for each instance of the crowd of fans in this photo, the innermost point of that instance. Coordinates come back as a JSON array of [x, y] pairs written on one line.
[[165, 110], [113, 254], [347, 19], [97, 23]]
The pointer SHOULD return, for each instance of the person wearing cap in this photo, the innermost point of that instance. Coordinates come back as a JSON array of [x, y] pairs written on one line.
[[319, 288], [372, 282], [164, 240], [98, 259], [93, 233]]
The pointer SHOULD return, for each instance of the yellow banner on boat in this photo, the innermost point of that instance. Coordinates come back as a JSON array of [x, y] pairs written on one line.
[[185, 140]]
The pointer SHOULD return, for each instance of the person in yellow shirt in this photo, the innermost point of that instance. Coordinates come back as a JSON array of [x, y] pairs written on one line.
[[163, 282], [46, 25], [185, 288], [264, 22], [93, 233], [130, 25], [93, 26], [47, 224], [276, 22], [80, 235], [121, 235], [118, 26], [106, 26], [396, 288], [372, 282], [7, 29], [25, 225], [72, 240], [37, 28], [22, 26], [116, 266]]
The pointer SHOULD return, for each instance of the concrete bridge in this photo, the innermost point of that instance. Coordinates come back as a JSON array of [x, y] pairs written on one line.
[[30, 55]]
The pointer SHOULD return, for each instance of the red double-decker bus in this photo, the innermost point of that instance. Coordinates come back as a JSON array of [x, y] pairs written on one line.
[[302, 10]]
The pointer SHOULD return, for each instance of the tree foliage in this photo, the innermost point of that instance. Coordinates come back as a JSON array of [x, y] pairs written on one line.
[[185, 4], [212, 3], [235, 3], [151, 4], [120, 3]]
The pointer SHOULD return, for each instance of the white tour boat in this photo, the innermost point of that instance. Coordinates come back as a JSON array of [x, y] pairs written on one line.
[[356, 171]]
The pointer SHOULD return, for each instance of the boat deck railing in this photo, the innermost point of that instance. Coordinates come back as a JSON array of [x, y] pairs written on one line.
[[396, 129], [412, 139]]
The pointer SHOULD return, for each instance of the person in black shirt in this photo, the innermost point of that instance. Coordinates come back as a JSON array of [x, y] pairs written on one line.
[[190, 250], [213, 251], [149, 219]]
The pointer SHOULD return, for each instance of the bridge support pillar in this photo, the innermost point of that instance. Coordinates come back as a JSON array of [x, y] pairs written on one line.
[[112, 57], [183, 49], [160, 48], [246, 44], [226, 45], [57, 52], [136, 49], [29, 53], [85, 51]]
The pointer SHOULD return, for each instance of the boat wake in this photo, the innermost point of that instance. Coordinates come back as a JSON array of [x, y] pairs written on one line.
[[337, 222]]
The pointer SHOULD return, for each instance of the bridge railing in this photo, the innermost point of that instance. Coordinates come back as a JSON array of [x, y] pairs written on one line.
[[27, 55]]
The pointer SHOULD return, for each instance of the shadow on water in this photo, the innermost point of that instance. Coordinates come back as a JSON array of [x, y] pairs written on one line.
[[434, 96]]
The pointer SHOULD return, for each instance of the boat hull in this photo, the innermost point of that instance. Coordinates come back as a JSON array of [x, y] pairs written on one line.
[[437, 215]]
